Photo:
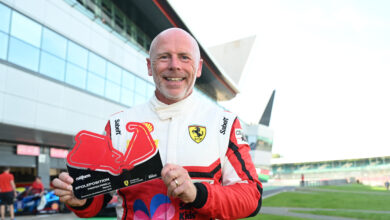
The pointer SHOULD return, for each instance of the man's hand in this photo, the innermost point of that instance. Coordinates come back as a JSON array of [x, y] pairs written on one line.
[[63, 189], [178, 182]]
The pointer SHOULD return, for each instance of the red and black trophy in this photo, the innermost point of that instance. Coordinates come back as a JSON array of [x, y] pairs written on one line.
[[97, 167]]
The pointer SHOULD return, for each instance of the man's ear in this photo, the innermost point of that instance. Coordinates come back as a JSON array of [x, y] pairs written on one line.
[[199, 72], [149, 64]]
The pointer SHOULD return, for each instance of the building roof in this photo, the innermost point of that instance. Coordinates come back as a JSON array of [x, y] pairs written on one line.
[[233, 56]]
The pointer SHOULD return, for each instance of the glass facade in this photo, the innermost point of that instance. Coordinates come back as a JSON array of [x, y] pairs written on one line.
[[33, 46], [110, 17]]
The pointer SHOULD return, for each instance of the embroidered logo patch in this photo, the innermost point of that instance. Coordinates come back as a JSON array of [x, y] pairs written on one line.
[[224, 124], [197, 133], [149, 126], [117, 127], [160, 207], [240, 136]]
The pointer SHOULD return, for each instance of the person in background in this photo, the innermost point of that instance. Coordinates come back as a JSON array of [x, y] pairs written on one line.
[[387, 184], [208, 172], [37, 187], [7, 192]]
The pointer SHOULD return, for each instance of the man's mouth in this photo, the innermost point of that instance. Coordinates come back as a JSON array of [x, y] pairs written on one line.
[[175, 79]]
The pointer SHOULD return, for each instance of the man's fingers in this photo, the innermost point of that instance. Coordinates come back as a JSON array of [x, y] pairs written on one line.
[[169, 172], [65, 178], [60, 192], [177, 191], [169, 177], [178, 183], [176, 187], [167, 168], [65, 199], [57, 183]]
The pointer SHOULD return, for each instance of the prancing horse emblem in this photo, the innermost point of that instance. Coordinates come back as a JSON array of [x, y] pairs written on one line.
[[197, 133]]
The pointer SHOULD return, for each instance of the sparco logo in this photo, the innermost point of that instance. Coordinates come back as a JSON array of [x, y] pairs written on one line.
[[82, 177], [117, 130], [223, 129]]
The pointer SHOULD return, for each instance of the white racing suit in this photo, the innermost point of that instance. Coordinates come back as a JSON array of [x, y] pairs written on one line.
[[205, 140]]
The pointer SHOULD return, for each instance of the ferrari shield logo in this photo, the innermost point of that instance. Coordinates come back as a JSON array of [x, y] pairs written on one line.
[[197, 133], [126, 182]]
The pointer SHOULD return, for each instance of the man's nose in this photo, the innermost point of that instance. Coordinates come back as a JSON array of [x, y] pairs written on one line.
[[175, 63]]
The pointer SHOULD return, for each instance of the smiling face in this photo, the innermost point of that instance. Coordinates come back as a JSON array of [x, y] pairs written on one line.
[[174, 64]]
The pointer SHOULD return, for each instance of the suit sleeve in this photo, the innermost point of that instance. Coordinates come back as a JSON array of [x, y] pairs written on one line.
[[92, 207], [94, 204], [239, 196]]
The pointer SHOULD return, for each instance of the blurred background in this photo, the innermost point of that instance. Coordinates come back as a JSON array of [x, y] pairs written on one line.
[[308, 80]]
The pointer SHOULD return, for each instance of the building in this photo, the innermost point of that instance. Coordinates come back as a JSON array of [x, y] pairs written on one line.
[[260, 138], [67, 65], [370, 171]]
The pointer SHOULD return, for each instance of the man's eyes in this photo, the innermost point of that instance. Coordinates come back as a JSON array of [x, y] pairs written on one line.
[[182, 57], [185, 57]]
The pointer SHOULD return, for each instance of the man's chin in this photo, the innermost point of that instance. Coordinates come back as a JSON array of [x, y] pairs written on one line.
[[174, 97]]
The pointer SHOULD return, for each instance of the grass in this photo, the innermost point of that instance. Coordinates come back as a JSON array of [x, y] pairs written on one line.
[[355, 197], [332, 200], [274, 217], [357, 215], [357, 187]]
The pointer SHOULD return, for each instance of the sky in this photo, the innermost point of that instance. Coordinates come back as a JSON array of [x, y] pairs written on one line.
[[328, 60]]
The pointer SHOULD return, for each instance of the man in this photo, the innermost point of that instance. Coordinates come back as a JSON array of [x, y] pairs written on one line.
[[36, 187], [207, 173], [7, 192]]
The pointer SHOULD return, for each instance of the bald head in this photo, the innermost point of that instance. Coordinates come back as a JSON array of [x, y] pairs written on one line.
[[174, 62], [174, 33]]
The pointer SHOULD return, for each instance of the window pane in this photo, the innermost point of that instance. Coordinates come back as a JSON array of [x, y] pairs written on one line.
[[52, 66], [128, 80], [95, 84], [23, 54], [75, 75], [113, 91], [5, 14], [142, 68], [3, 45], [140, 86], [54, 43], [151, 89], [139, 99], [127, 97], [77, 55], [114, 73], [26, 29], [97, 64]]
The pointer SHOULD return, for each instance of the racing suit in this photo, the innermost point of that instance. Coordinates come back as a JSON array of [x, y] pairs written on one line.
[[208, 142]]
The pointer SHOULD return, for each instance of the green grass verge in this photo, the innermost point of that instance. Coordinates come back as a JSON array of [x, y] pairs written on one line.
[[357, 187], [274, 217], [357, 215], [332, 200]]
